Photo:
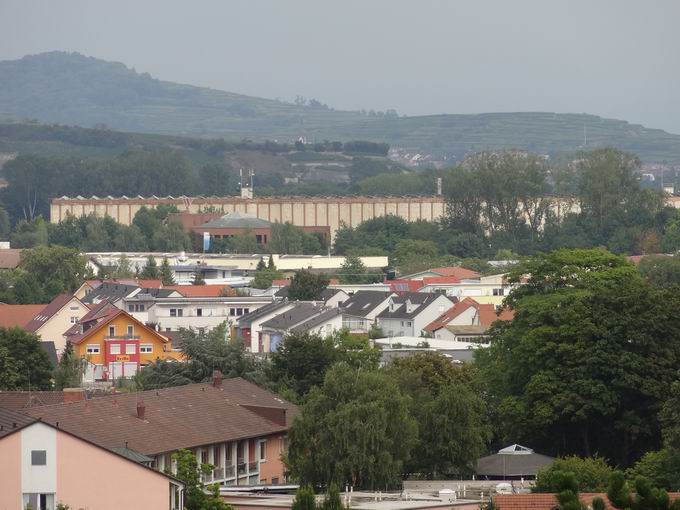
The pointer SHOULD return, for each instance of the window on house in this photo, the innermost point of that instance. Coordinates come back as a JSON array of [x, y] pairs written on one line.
[[246, 311], [130, 330], [74, 308], [199, 312], [217, 456], [239, 311], [180, 312], [275, 480], [499, 292], [115, 348], [263, 450], [131, 308], [232, 311], [130, 349], [93, 349], [74, 320], [38, 457], [173, 312], [204, 456], [146, 348], [408, 324], [112, 331]]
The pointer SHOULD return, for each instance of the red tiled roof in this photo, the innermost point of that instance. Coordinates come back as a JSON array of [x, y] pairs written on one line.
[[179, 417], [280, 283], [487, 314], [103, 317], [200, 290], [459, 272], [47, 312], [18, 315], [402, 286]]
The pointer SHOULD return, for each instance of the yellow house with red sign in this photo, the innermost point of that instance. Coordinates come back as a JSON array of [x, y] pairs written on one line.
[[116, 345]]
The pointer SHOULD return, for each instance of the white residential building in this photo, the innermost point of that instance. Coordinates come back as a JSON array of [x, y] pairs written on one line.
[[408, 314]]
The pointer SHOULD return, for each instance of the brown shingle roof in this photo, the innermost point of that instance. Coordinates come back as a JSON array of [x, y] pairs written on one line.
[[179, 417], [18, 315], [47, 312], [10, 421], [457, 271], [18, 400]]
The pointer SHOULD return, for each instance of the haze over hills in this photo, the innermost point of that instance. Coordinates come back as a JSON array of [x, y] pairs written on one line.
[[69, 88]]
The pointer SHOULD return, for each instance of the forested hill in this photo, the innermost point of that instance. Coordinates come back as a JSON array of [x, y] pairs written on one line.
[[70, 88]]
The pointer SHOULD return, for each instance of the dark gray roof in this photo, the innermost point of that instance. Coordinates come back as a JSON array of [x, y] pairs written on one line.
[[315, 321], [155, 293], [237, 220], [524, 464], [110, 291], [11, 421], [299, 313], [132, 455], [421, 299], [363, 302], [247, 319]]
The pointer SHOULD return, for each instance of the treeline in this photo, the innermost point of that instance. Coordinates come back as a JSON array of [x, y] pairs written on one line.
[[511, 204], [33, 180]]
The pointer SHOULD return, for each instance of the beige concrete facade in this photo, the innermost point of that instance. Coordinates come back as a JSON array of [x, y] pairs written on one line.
[[54, 328], [301, 211]]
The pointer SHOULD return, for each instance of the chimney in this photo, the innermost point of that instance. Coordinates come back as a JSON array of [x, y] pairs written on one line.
[[73, 394], [217, 379], [141, 410]]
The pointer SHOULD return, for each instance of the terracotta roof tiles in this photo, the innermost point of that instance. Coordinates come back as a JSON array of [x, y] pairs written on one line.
[[18, 315]]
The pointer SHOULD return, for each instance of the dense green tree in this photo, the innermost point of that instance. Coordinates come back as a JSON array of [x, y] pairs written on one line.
[[352, 270], [307, 286], [660, 270], [645, 497], [354, 429], [203, 353], [286, 238], [123, 268], [28, 234], [301, 361], [571, 371], [450, 414], [215, 179], [69, 372], [5, 225], [304, 499], [592, 474], [23, 362], [198, 277], [263, 279], [56, 269], [150, 270], [196, 495], [332, 500], [167, 275], [244, 242]]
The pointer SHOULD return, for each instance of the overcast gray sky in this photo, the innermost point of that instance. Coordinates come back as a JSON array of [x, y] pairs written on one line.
[[615, 58]]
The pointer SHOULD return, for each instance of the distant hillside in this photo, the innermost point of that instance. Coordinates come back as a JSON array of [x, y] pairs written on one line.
[[68, 88]]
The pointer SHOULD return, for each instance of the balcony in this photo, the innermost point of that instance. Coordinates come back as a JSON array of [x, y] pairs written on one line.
[[122, 337], [229, 472], [218, 473], [242, 468], [253, 467]]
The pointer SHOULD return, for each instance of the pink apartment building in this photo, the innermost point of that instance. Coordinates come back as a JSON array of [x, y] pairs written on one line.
[[43, 465]]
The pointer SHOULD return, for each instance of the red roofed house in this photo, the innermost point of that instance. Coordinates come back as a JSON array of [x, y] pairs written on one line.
[[115, 344], [467, 321], [53, 320], [456, 271], [403, 286], [44, 465], [17, 316]]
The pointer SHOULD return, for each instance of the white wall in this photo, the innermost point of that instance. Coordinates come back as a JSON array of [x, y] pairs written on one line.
[[39, 479]]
